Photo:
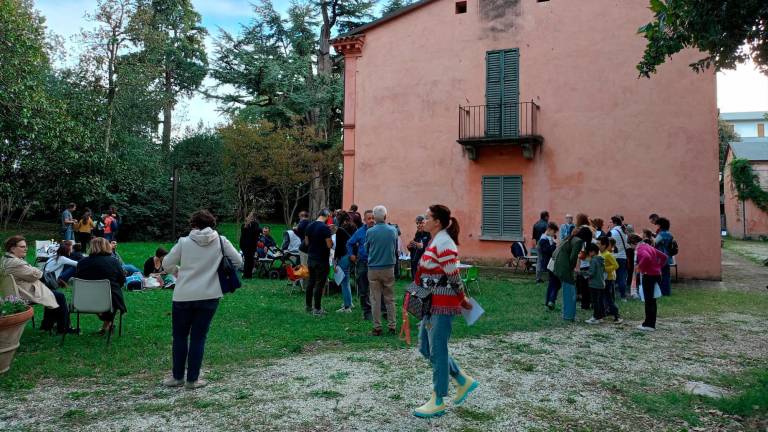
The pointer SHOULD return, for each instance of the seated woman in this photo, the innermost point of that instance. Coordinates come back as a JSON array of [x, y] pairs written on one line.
[[101, 265], [61, 264], [154, 264], [31, 288]]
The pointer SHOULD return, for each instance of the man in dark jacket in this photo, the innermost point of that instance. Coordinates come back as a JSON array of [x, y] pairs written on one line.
[[539, 228]]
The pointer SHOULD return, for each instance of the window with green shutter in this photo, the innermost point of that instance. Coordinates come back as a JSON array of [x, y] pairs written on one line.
[[502, 93], [502, 208]]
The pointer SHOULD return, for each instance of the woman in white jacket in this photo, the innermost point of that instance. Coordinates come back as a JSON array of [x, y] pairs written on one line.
[[196, 295]]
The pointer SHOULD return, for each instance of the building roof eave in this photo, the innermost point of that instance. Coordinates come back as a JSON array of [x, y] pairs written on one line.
[[375, 23]]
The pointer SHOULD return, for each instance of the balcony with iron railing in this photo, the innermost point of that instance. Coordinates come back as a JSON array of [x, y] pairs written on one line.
[[499, 124]]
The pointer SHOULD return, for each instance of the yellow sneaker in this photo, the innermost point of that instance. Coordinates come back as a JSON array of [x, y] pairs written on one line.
[[430, 409], [462, 391]]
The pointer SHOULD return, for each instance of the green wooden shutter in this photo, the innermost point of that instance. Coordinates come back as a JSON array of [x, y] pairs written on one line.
[[502, 207], [502, 93], [493, 93], [510, 93], [512, 207], [492, 186]]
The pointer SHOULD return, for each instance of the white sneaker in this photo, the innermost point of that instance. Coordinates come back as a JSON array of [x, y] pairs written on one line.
[[593, 321], [344, 310], [645, 329]]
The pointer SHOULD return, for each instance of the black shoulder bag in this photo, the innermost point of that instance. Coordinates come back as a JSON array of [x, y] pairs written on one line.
[[227, 273]]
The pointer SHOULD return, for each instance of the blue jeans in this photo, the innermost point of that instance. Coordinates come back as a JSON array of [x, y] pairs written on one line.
[[621, 277], [434, 333], [191, 321], [69, 233], [665, 284], [346, 292], [130, 269], [569, 301], [552, 288]]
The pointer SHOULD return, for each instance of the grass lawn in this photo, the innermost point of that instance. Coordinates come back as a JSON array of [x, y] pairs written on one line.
[[263, 321]]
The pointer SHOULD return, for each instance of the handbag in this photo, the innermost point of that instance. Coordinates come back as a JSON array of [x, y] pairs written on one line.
[[551, 263], [49, 279], [227, 273], [418, 300]]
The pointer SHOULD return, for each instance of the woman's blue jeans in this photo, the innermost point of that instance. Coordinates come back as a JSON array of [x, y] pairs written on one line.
[[346, 292], [569, 301], [434, 333], [191, 321]]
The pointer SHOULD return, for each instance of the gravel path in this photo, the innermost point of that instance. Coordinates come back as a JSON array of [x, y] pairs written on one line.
[[559, 379]]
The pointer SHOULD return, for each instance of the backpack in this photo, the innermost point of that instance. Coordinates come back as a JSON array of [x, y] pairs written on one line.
[[49, 278], [673, 248], [114, 225]]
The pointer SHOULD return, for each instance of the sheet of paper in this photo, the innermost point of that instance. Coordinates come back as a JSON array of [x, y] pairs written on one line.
[[473, 314], [338, 275]]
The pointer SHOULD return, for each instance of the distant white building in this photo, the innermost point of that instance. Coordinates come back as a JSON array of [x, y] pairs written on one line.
[[747, 124]]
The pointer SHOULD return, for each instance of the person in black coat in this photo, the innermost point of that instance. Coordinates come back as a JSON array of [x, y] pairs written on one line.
[[101, 265], [418, 244], [249, 239]]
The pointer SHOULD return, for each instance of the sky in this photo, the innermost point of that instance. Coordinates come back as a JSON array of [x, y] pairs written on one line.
[[743, 89]]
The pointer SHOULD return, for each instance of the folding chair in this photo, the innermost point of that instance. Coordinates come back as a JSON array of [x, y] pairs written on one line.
[[471, 276], [92, 297], [293, 280], [520, 257]]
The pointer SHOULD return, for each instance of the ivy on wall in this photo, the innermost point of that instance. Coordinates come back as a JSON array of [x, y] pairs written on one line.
[[747, 183]]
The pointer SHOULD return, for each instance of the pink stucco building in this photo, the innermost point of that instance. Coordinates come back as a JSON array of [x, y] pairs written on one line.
[[744, 218], [503, 108]]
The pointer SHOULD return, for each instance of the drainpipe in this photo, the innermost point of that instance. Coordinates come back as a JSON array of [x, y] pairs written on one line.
[[744, 218]]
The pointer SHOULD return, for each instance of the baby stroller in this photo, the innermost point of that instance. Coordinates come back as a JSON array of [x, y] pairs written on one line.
[[278, 261]]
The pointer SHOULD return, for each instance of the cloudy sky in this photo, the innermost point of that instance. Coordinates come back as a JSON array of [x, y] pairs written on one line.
[[741, 90]]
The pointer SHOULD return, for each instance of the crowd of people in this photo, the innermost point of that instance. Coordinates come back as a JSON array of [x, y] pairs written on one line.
[[589, 264], [592, 265]]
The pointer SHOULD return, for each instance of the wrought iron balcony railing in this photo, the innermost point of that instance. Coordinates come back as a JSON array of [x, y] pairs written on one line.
[[508, 121]]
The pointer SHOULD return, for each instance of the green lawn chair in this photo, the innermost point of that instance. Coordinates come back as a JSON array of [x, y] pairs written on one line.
[[471, 276]]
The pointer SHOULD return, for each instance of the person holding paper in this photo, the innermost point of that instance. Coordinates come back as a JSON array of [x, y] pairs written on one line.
[[343, 233], [438, 270]]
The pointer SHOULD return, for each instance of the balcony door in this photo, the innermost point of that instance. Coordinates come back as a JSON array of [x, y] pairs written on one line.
[[502, 93]]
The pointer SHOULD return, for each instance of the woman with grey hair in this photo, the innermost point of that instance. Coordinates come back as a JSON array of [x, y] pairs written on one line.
[[418, 244]]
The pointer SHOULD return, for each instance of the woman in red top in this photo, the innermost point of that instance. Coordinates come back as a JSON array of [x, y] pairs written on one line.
[[438, 270], [649, 263]]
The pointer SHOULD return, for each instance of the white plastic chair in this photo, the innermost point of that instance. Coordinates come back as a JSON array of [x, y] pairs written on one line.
[[92, 297]]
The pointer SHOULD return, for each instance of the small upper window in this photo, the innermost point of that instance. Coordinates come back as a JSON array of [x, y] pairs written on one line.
[[461, 7]]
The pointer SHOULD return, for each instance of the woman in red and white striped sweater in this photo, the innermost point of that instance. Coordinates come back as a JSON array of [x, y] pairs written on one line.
[[438, 270]]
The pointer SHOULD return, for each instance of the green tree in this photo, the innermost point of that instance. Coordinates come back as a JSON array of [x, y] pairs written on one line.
[[204, 180], [282, 70], [106, 43], [278, 157], [172, 39], [394, 5], [729, 32]]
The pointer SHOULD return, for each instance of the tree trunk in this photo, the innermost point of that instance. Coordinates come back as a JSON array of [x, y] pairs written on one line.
[[167, 112]]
